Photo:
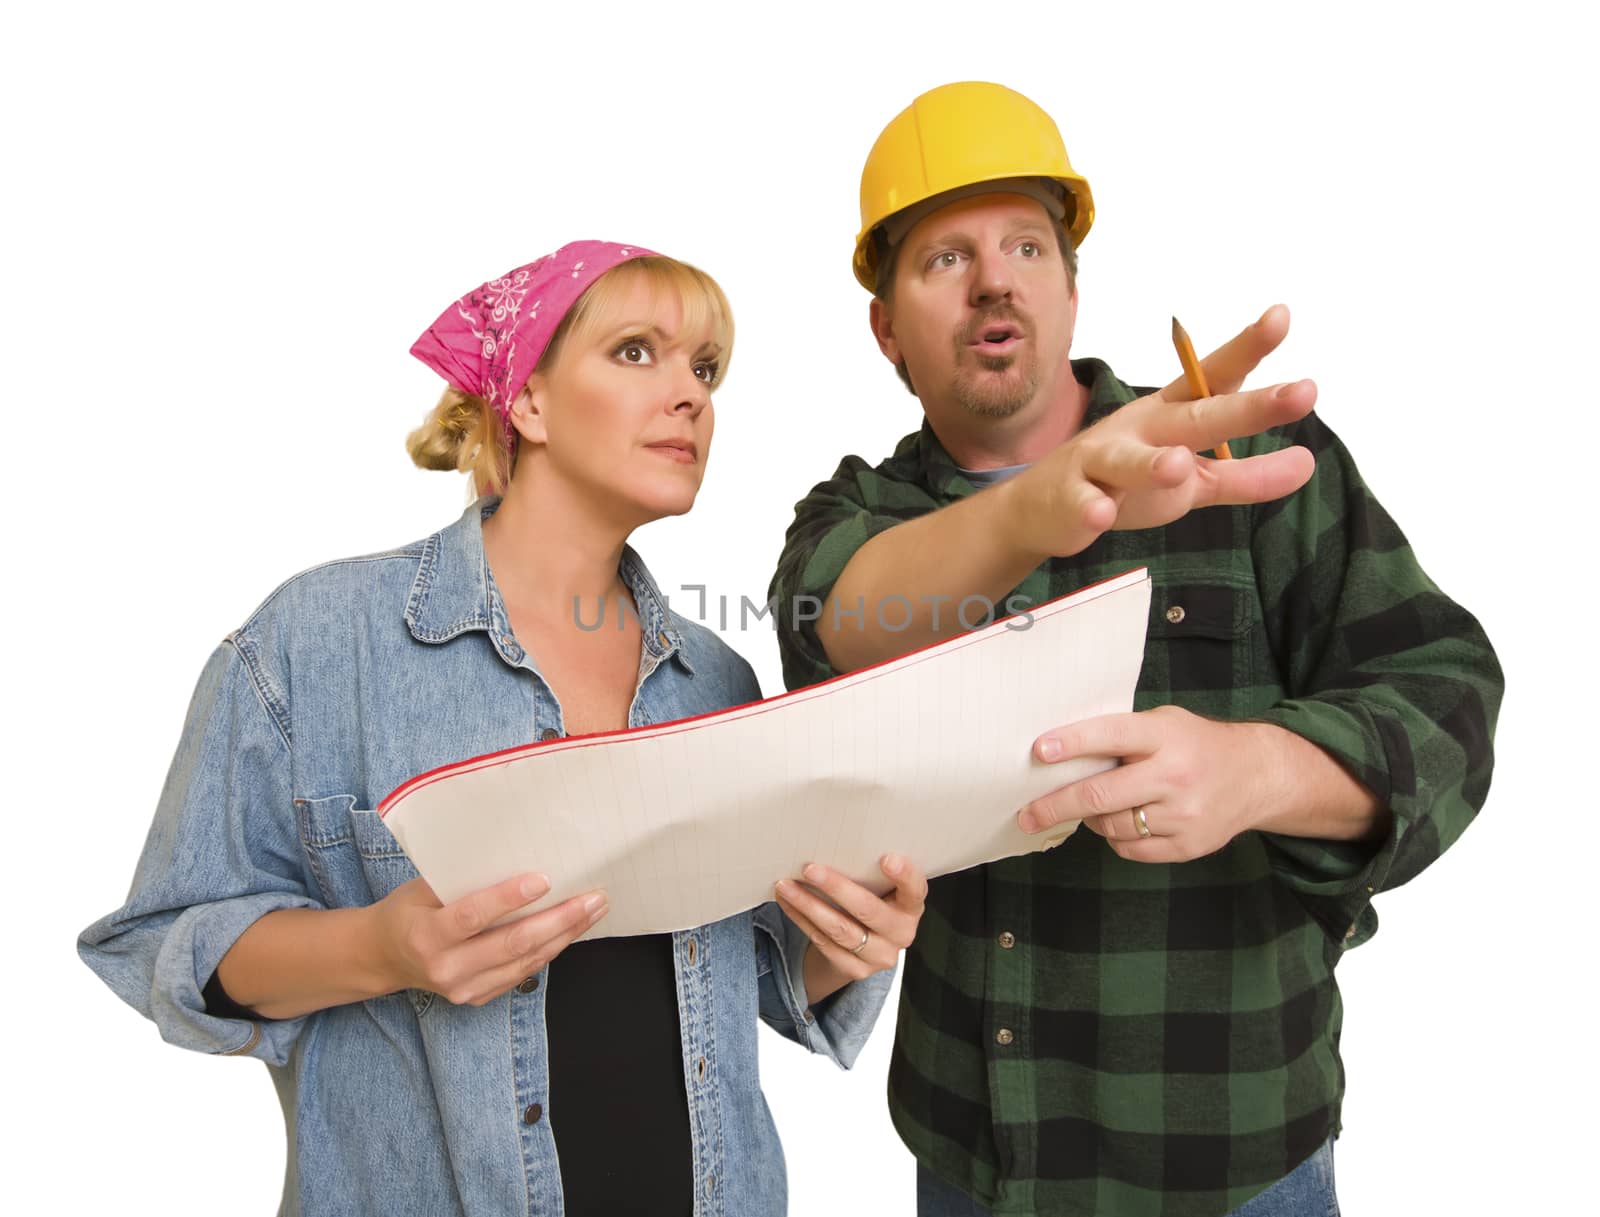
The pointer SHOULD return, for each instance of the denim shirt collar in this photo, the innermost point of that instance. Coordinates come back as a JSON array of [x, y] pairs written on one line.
[[454, 592]]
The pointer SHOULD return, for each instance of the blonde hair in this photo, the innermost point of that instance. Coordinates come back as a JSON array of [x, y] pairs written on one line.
[[465, 433]]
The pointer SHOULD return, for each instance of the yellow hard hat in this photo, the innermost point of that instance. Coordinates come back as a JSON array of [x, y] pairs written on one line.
[[961, 135]]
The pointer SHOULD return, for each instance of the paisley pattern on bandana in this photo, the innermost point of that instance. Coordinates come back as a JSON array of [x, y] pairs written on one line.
[[489, 341]]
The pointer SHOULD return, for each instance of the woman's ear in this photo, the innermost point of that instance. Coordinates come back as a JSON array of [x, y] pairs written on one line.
[[528, 410]]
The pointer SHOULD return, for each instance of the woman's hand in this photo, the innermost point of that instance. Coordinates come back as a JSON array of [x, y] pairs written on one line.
[[864, 934], [456, 950]]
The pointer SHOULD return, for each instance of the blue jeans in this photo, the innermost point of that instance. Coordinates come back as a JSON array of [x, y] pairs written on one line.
[[1306, 1191]]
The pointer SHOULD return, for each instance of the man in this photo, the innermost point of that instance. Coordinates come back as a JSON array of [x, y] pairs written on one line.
[[1143, 1019]]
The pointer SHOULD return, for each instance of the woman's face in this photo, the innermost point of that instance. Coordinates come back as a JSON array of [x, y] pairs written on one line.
[[624, 418]]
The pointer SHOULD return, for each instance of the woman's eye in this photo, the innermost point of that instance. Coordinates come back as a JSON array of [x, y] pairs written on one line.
[[634, 352], [706, 372]]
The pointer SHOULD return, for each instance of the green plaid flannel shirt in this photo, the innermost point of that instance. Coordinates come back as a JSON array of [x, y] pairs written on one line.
[[1164, 1039]]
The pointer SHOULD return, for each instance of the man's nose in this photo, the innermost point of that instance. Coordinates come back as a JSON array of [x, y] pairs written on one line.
[[992, 277]]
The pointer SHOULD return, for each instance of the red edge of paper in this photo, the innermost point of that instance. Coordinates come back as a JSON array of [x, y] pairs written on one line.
[[673, 726]]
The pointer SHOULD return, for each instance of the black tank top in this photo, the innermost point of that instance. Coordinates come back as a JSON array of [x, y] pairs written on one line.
[[618, 1108]]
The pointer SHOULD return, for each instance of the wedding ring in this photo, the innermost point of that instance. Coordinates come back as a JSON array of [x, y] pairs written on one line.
[[1140, 823], [860, 946]]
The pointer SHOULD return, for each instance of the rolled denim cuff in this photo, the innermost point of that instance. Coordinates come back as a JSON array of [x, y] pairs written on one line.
[[189, 953], [836, 1027]]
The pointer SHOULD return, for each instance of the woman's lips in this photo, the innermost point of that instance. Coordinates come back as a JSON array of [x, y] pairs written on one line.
[[684, 454]]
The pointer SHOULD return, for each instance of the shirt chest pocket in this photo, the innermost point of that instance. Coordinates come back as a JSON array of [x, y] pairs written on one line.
[[353, 857], [1199, 648]]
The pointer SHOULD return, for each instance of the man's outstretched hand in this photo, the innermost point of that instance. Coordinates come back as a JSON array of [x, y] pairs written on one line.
[[1141, 468]]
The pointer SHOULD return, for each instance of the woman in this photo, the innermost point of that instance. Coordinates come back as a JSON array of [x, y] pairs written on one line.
[[430, 1061]]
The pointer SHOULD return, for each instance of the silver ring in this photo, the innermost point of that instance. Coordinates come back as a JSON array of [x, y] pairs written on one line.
[[862, 945], [1140, 823]]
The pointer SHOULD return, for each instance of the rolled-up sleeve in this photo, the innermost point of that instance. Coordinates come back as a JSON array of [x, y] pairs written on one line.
[[838, 1026], [222, 852], [1383, 671]]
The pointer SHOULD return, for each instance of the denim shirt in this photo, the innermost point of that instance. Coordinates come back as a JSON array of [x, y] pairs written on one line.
[[351, 678]]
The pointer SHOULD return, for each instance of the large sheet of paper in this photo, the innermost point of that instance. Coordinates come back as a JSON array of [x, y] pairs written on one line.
[[687, 822]]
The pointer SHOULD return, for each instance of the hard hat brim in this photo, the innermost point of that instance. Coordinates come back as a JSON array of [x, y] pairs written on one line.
[[1080, 202]]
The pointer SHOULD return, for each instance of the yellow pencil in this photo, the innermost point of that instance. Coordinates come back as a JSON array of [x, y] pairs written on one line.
[[1195, 376]]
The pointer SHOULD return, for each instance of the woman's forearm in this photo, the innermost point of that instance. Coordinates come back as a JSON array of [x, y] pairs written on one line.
[[296, 961], [821, 977]]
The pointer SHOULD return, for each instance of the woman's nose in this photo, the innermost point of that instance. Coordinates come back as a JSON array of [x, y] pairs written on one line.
[[691, 394]]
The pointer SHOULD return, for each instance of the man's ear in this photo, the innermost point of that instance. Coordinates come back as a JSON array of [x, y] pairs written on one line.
[[528, 410], [883, 331]]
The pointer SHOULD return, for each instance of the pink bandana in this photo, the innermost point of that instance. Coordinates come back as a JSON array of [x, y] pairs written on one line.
[[488, 342]]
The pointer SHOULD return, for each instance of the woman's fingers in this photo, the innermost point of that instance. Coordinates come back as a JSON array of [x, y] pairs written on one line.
[[895, 918], [477, 911], [467, 970], [542, 946], [839, 927], [537, 939], [875, 954]]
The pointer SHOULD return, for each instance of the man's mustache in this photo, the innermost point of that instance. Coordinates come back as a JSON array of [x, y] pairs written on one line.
[[974, 330]]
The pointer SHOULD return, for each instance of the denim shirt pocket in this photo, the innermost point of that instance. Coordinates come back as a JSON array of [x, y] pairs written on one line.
[[354, 858]]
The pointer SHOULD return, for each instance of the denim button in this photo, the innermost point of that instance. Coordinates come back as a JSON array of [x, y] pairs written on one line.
[[529, 985], [532, 1114], [549, 733], [691, 950]]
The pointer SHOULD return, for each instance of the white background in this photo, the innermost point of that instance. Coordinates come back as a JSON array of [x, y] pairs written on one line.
[[226, 225]]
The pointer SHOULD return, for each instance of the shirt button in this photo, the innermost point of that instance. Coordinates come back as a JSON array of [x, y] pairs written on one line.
[[549, 733], [1008, 939], [1350, 933], [529, 985], [1004, 1036], [1175, 614], [532, 1114]]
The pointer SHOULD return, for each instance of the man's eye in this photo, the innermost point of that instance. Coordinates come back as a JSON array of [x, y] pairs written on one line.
[[945, 260], [1029, 249]]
